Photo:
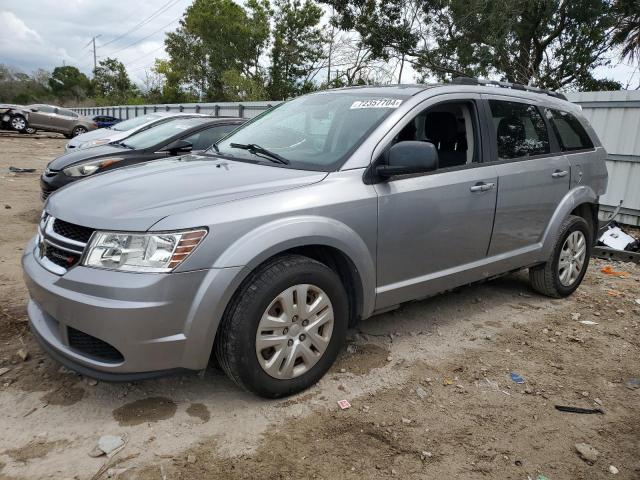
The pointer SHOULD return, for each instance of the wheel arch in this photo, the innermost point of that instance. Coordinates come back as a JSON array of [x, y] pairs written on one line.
[[581, 201]]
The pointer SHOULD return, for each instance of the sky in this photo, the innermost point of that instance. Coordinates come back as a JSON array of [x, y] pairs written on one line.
[[47, 33]]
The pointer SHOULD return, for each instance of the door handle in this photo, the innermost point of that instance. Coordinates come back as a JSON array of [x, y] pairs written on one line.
[[482, 187], [559, 174]]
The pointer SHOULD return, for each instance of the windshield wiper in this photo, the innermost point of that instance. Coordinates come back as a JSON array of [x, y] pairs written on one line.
[[257, 149]]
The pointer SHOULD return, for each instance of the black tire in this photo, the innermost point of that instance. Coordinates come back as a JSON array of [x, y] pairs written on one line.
[[18, 123], [545, 278], [29, 130], [79, 130], [68, 135], [235, 346]]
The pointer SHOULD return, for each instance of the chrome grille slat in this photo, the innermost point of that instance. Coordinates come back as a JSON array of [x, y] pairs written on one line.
[[57, 252]]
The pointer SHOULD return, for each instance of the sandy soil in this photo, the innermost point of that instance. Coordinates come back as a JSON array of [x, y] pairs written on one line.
[[429, 386]]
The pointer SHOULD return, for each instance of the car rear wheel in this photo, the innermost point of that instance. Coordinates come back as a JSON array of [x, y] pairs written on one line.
[[18, 122], [29, 130], [562, 274], [79, 130], [284, 328]]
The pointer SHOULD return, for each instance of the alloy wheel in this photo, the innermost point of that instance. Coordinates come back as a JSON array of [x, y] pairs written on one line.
[[572, 258]]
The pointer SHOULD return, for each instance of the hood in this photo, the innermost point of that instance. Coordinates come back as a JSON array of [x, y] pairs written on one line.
[[138, 196], [112, 135], [79, 155]]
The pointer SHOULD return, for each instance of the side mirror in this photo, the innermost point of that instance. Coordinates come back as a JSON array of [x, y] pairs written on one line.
[[409, 157], [179, 146], [33, 109]]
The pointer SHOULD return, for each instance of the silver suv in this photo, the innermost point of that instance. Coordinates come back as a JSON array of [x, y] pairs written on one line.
[[319, 213]]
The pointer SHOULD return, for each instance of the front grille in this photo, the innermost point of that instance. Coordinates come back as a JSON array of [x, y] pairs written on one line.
[[60, 257], [92, 346], [72, 231]]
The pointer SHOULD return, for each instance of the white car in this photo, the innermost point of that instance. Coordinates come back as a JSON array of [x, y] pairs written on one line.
[[119, 131]]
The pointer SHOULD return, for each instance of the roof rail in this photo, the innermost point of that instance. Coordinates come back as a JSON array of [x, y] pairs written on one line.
[[514, 86]]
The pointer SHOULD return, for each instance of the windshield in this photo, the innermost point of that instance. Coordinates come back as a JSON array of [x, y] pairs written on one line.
[[314, 132], [134, 122], [159, 133]]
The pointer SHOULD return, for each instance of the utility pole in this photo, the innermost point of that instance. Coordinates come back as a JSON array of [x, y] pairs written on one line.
[[93, 42], [333, 12]]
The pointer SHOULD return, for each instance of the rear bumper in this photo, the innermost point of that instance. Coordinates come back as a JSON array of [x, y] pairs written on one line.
[[155, 323]]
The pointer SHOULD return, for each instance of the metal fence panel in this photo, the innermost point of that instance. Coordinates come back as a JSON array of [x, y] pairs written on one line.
[[615, 116]]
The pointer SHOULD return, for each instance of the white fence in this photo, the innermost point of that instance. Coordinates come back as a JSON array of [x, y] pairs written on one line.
[[614, 115], [219, 109]]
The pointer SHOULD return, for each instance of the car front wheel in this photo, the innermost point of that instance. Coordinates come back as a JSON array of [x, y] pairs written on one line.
[[563, 272], [284, 328], [18, 122]]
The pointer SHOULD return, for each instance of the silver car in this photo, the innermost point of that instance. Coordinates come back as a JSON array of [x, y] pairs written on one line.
[[320, 213], [120, 130]]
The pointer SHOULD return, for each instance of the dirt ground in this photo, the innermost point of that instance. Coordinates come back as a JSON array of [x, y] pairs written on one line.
[[429, 385]]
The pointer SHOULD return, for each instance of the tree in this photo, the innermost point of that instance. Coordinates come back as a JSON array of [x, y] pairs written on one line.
[[19, 87], [216, 36], [67, 82], [111, 82], [627, 32], [297, 47], [550, 43]]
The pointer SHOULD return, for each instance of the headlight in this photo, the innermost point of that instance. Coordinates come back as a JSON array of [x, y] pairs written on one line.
[[146, 252], [93, 143], [89, 168]]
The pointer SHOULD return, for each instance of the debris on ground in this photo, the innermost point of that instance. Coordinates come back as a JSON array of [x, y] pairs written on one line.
[[570, 409], [610, 271], [587, 452], [588, 322], [107, 445], [517, 378], [633, 383], [344, 404], [21, 170], [23, 354], [4, 370], [421, 392], [613, 470]]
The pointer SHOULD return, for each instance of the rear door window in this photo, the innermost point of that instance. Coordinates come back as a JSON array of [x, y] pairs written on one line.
[[520, 129], [570, 132]]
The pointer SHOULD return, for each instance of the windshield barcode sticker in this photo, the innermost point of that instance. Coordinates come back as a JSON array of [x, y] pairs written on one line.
[[377, 103]]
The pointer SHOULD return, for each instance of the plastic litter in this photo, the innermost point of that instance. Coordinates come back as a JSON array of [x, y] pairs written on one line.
[[588, 322], [610, 271], [344, 404], [614, 237], [517, 378]]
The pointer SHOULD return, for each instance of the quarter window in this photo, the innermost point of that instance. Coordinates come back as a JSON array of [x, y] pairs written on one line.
[[571, 134], [520, 129]]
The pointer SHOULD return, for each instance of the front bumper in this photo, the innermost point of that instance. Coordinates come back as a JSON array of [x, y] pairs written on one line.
[[158, 323]]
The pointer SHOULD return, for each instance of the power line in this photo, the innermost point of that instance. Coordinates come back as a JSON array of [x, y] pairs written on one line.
[[144, 38], [161, 10], [144, 56]]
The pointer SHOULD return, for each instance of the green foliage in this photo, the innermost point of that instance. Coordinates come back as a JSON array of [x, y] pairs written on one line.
[[18, 87], [627, 32], [67, 82], [216, 36], [550, 43], [297, 47], [112, 84], [238, 87]]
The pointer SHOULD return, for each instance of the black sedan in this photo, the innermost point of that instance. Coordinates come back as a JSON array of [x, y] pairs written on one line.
[[174, 137]]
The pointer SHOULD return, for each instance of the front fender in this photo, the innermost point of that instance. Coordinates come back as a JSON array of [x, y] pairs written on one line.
[[576, 196], [283, 234]]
